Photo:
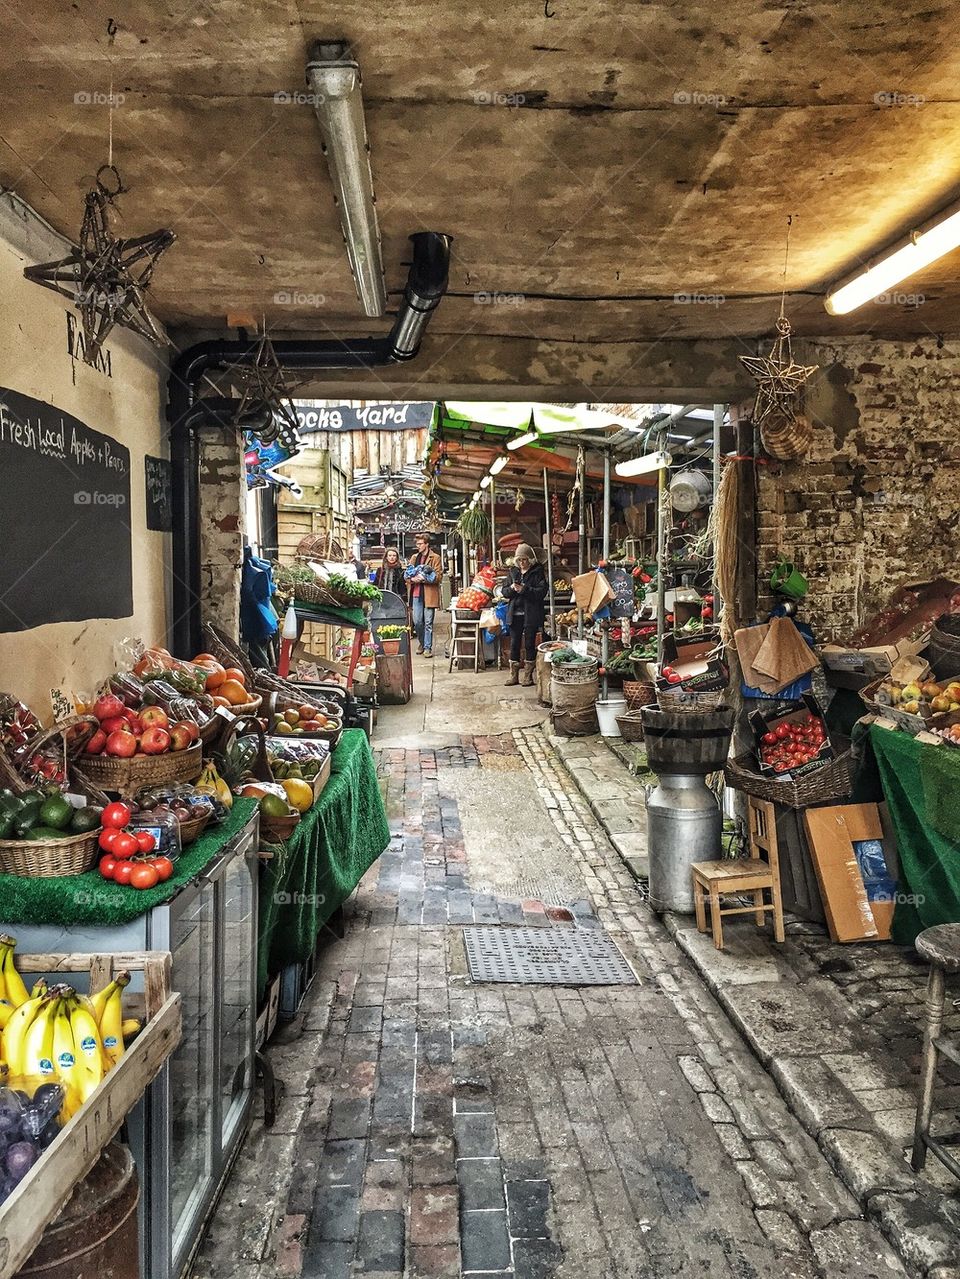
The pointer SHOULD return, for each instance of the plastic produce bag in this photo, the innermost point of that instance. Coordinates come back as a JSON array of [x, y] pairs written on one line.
[[29, 1123]]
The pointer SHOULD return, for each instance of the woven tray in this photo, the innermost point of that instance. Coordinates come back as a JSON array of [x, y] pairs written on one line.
[[631, 726], [831, 782], [49, 858], [123, 776]]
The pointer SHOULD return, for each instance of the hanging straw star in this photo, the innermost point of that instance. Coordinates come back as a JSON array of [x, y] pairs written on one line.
[[266, 406], [778, 377], [106, 278]]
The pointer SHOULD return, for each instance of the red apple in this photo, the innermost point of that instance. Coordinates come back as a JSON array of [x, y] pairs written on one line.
[[190, 727], [155, 741], [116, 724], [108, 706], [180, 737], [122, 744], [96, 743], [154, 717], [135, 725]]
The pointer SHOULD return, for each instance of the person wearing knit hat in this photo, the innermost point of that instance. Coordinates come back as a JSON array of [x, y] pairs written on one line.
[[525, 591]]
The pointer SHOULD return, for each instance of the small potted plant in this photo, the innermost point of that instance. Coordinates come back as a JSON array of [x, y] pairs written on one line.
[[388, 638]]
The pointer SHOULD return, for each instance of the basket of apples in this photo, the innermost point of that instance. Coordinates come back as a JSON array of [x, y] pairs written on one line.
[[307, 720], [133, 747]]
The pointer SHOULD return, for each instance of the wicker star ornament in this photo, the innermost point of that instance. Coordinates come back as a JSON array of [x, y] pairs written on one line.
[[106, 278], [778, 377]]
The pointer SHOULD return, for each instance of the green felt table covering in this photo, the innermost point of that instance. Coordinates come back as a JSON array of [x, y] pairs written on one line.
[[324, 860], [921, 784], [355, 617], [92, 900]]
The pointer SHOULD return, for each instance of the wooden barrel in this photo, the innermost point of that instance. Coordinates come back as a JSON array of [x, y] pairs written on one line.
[[688, 741], [96, 1234]]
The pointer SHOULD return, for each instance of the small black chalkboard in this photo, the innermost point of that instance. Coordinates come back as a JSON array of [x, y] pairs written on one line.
[[65, 498], [621, 583], [158, 480]]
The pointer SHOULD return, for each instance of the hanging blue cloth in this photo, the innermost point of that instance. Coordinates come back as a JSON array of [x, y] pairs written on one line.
[[258, 620]]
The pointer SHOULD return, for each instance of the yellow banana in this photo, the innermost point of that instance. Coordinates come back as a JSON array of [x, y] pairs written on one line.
[[99, 1000], [65, 1058], [131, 1027], [89, 1048], [6, 1012], [16, 991], [15, 1031], [40, 987], [37, 1059], [111, 1030], [4, 947]]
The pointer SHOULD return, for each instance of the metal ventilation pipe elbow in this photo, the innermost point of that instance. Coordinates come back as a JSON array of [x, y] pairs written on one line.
[[426, 285]]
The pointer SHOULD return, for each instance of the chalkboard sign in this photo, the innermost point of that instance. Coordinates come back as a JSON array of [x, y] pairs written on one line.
[[621, 583], [65, 498], [158, 480]]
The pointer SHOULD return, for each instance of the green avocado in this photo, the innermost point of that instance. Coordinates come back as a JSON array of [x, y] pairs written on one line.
[[85, 819], [27, 814], [6, 823], [45, 832], [56, 812]]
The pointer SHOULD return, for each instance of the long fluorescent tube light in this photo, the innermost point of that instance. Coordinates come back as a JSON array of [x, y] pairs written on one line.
[[486, 481], [922, 248], [497, 465], [644, 463], [522, 440], [333, 77]]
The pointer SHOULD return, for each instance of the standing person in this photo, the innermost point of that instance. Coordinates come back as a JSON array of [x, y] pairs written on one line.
[[423, 578], [389, 576], [525, 592]]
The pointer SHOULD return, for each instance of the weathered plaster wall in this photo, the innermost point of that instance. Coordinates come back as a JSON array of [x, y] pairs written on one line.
[[222, 527], [877, 500]]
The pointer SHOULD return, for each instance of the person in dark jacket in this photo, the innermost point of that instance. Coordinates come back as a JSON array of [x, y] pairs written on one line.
[[390, 573], [525, 592]]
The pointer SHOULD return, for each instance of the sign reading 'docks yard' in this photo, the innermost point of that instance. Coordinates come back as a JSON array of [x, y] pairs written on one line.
[[65, 554]]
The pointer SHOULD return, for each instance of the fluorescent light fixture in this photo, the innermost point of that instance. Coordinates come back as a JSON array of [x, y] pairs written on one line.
[[522, 440], [497, 465], [643, 464], [486, 481], [922, 248], [333, 77]]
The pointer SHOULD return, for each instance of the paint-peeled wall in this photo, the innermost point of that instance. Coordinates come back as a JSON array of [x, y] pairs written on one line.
[[128, 407], [876, 501]]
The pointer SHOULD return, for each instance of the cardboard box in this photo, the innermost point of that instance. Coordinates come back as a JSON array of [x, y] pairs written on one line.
[[904, 671], [854, 854], [697, 659], [873, 662], [763, 722]]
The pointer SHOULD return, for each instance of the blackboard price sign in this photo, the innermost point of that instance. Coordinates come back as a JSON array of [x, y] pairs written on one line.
[[621, 583], [158, 479], [65, 497]]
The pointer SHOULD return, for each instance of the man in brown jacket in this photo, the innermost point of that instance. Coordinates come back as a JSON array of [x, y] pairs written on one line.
[[423, 580]]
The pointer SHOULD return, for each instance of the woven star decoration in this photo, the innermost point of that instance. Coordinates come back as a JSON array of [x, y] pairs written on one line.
[[266, 406], [779, 378], [104, 277]]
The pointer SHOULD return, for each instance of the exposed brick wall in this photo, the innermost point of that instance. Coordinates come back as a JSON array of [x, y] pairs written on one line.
[[222, 519], [877, 500]]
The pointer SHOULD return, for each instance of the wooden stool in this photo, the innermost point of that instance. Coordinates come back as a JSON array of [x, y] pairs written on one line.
[[465, 641], [751, 875], [940, 946]]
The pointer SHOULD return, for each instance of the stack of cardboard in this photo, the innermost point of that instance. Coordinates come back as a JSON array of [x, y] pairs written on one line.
[[774, 655]]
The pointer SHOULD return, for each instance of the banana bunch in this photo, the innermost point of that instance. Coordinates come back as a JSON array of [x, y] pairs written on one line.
[[58, 1035], [13, 992], [211, 783]]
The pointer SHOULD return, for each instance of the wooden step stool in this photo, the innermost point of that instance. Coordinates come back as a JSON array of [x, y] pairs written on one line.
[[465, 641], [752, 875]]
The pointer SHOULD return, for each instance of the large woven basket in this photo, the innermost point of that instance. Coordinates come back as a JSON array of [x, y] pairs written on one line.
[[831, 782], [639, 692], [227, 651], [631, 726], [322, 546], [123, 776], [48, 858], [688, 702]]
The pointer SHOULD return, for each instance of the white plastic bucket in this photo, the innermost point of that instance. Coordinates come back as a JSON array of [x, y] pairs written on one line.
[[607, 711]]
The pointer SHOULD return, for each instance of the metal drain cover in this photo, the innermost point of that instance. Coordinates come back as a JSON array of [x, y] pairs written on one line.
[[546, 956]]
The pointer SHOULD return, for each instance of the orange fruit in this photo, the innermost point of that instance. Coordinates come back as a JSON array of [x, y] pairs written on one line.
[[215, 674], [203, 659], [220, 701], [234, 692], [234, 672]]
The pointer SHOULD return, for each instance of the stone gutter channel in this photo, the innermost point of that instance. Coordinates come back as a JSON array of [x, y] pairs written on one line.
[[836, 1027]]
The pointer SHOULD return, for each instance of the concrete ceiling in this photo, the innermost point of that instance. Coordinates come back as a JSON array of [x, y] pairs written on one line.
[[639, 151]]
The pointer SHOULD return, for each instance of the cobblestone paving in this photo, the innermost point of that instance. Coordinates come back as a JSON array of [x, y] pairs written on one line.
[[433, 1127]]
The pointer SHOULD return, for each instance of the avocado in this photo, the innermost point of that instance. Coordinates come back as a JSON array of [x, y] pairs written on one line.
[[85, 819], [6, 823], [56, 812], [27, 814], [45, 832]]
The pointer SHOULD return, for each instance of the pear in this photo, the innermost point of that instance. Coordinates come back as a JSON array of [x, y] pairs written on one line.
[[911, 693], [912, 707], [931, 689], [940, 704]]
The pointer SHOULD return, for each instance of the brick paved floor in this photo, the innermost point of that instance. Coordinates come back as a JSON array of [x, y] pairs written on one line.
[[433, 1127]]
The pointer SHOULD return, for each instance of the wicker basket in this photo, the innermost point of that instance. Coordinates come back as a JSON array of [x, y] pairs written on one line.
[[192, 830], [227, 651], [49, 858], [631, 726], [687, 701], [124, 776], [639, 692], [246, 708], [831, 782], [276, 829], [322, 546], [79, 728]]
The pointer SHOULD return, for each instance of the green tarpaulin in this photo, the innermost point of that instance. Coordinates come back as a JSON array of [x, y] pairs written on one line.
[[921, 784], [321, 864]]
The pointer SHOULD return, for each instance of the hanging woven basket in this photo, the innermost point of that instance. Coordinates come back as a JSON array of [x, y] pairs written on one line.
[[786, 436]]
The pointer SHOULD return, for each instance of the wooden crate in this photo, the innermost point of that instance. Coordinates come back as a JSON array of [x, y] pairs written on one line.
[[53, 1178]]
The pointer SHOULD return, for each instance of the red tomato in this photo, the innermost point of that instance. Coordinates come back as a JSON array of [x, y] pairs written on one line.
[[782, 732], [673, 678], [125, 845], [107, 838], [163, 866], [122, 872], [108, 865], [768, 739], [116, 815], [146, 841], [143, 875]]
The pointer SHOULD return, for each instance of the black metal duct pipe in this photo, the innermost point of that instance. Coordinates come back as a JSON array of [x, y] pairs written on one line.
[[188, 412]]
